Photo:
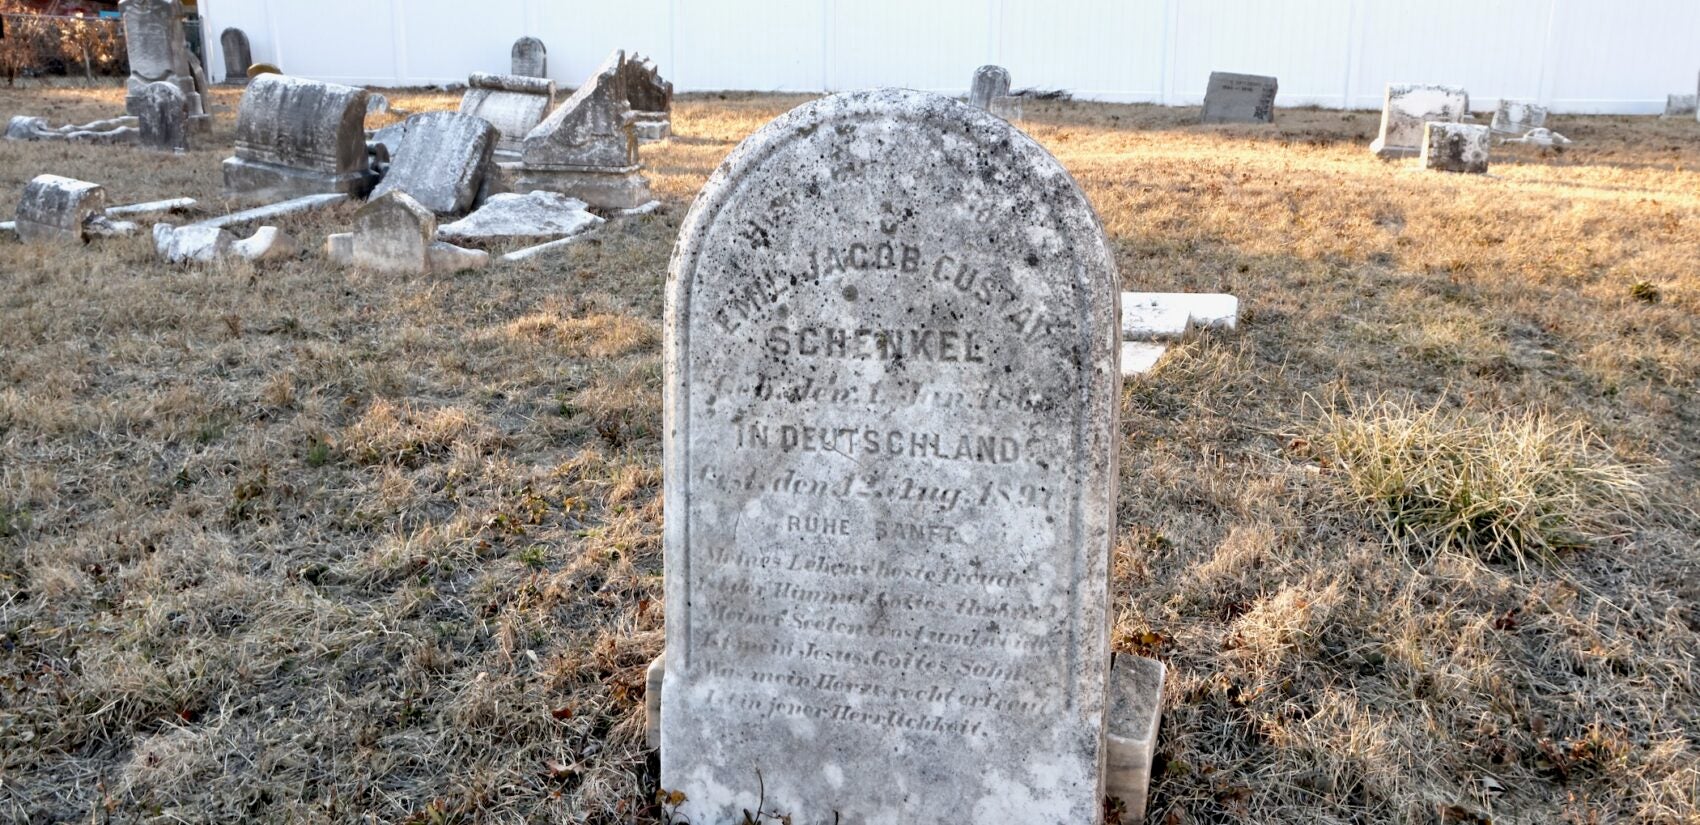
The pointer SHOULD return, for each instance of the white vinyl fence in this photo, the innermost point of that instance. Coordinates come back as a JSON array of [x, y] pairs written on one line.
[[1618, 56]]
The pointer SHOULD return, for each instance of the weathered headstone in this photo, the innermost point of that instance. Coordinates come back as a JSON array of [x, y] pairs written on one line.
[[650, 98], [299, 137], [163, 117], [1681, 105], [55, 209], [530, 58], [442, 161], [395, 233], [154, 43], [1407, 108], [1516, 118], [1239, 98], [114, 130], [513, 104], [586, 148], [890, 439], [990, 92], [1456, 147], [238, 56]]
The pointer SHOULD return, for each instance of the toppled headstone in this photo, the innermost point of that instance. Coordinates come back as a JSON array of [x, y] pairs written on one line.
[[512, 103], [395, 233], [115, 130], [530, 58], [1683, 106], [990, 92], [1239, 98], [206, 244], [890, 476], [238, 56], [158, 52], [1456, 147], [1408, 107], [536, 215], [293, 206], [650, 98], [151, 207], [1515, 118], [1543, 138], [1136, 706], [442, 161], [587, 148], [1151, 319], [56, 209], [298, 137], [163, 117]]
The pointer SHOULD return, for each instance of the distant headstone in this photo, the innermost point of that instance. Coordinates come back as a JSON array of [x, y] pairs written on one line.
[[586, 148], [530, 58], [650, 98], [1239, 98], [890, 477], [511, 103], [1456, 147], [238, 56], [158, 52], [442, 161], [163, 117], [990, 92], [58, 210], [299, 137], [1681, 105], [1407, 108], [1515, 118]]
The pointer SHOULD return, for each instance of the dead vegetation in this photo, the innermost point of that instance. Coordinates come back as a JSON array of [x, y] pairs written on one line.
[[290, 544]]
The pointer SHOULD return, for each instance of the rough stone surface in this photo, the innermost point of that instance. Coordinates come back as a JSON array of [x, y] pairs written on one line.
[[151, 207], [191, 244], [1681, 105], [299, 137], [1544, 138], [442, 161], [340, 248], [106, 227], [393, 233], [54, 209], [536, 215], [266, 244], [1136, 705], [890, 439], [115, 130], [587, 148], [650, 98], [163, 118], [1515, 118], [1240, 98], [530, 58], [511, 103], [446, 257], [238, 55], [1456, 147], [1407, 108], [158, 52]]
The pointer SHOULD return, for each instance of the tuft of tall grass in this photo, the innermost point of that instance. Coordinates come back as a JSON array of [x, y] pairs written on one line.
[[1508, 488]]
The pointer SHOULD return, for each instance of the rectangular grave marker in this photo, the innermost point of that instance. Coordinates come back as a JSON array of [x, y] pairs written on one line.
[[1240, 98]]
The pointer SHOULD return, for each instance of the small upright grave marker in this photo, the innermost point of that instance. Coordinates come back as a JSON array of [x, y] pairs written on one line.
[[990, 92], [1456, 147], [530, 58], [1239, 98], [238, 56], [163, 117], [1407, 108]]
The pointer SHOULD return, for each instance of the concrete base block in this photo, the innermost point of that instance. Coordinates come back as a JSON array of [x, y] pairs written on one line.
[[616, 189], [1136, 707]]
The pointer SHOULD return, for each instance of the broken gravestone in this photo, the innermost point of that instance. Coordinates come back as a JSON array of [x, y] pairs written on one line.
[[650, 98], [299, 137], [533, 215], [114, 130], [442, 161], [1239, 98], [1407, 108], [158, 52], [162, 117], [890, 439], [395, 233], [1515, 118], [587, 148], [238, 56], [511, 103], [1456, 147], [530, 58], [55, 209]]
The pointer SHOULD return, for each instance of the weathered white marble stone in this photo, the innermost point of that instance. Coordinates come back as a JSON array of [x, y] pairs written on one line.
[[339, 248], [1136, 705], [151, 207], [990, 91], [238, 56], [1683, 106], [207, 244], [447, 258], [1544, 138], [442, 161], [535, 215], [530, 58], [1239, 98], [158, 52], [376, 104], [394, 232], [1148, 316], [299, 137], [1456, 147], [654, 676], [56, 209], [1517, 118], [586, 148], [511, 103], [163, 117], [293, 206], [1407, 108], [266, 244], [115, 130], [650, 98], [530, 252], [890, 439], [1141, 357]]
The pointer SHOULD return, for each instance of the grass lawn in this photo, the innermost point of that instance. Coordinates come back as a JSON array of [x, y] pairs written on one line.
[[1419, 543]]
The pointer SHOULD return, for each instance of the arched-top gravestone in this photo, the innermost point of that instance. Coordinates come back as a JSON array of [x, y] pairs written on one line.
[[530, 58], [238, 55], [990, 83], [890, 433]]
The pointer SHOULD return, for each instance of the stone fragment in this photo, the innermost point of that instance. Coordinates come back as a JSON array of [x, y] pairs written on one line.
[[654, 677], [266, 244], [990, 91], [650, 98], [511, 103], [886, 606], [1515, 118], [55, 209], [1149, 316], [158, 52], [1456, 147], [586, 148], [537, 215], [1407, 108], [191, 244], [151, 207], [294, 206], [530, 58], [442, 161], [238, 56], [1683, 106], [541, 249], [105, 227], [116, 130], [1141, 357], [163, 116], [448, 258], [1544, 138], [1136, 706], [1239, 98], [340, 248], [395, 233], [299, 137]]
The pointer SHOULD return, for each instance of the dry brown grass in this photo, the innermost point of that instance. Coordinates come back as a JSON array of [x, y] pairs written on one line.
[[291, 544]]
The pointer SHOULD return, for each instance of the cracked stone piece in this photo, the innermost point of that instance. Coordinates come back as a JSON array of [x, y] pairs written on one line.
[[536, 215], [191, 244], [56, 209], [293, 206], [587, 148], [1239, 98], [1136, 707], [116, 130], [1405, 111], [266, 244], [442, 161], [106, 227], [446, 257], [151, 207], [1159, 315], [1141, 357], [511, 103], [1456, 147], [653, 679], [299, 137]]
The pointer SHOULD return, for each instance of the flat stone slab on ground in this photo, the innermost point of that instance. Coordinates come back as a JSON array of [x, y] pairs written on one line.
[[1239, 98], [534, 215], [1141, 357], [1157, 315]]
